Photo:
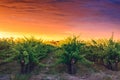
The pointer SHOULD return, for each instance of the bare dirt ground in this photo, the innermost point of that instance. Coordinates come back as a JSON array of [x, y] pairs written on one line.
[[100, 73], [107, 75], [83, 73]]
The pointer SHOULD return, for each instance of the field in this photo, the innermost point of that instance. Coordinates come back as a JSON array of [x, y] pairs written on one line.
[[69, 59]]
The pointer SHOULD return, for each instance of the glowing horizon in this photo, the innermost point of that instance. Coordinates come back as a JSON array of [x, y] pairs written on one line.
[[46, 37]]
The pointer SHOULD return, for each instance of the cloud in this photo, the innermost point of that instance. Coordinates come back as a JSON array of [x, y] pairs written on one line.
[[36, 1], [19, 1], [68, 10], [117, 2], [65, 16]]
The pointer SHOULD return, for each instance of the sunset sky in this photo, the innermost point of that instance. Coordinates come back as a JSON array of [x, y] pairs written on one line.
[[57, 19]]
